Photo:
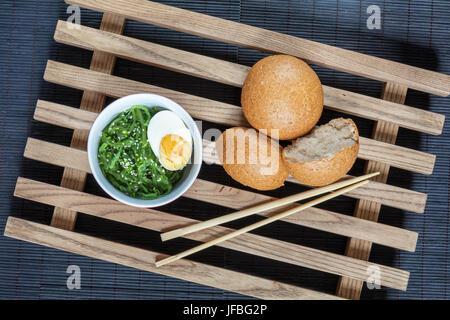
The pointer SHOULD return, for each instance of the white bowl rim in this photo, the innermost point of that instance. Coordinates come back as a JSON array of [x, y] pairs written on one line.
[[124, 103]]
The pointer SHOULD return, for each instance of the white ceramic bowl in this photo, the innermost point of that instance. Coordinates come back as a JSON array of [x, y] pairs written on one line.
[[191, 171]]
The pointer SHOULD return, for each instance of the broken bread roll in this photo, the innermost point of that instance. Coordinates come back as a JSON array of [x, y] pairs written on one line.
[[251, 158], [324, 155]]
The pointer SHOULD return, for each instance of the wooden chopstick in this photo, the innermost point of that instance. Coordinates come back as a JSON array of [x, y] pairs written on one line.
[[259, 224], [262, 207]]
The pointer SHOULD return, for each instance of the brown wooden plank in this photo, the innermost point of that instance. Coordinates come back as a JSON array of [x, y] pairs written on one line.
[[151, 53], [238, 199], [370, 149], [374, 191], [266, 40], [248, 243], [234, 74], [60, 155], [218, 112], [115, 87], [389, 195], [64, 116], [145, 260], [383, 131], [396, 156], [91, 101], [313, 218]]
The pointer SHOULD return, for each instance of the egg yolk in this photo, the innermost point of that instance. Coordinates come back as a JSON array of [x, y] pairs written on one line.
[[174, 151]]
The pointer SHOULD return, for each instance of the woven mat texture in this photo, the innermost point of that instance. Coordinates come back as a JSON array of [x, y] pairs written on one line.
[[412, 32]]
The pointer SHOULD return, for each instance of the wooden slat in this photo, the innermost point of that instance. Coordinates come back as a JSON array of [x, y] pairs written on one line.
[[151, 53], [386, 194], [315, 218], [92, 101], [248, 243], [217, 112], [391, 154], [84, 79], [238, 199], [374, 191], [266, 40], [383, 131], [396, 156], [64, 116], [57, 155], [145, 260], [389, 195], [234, 74]]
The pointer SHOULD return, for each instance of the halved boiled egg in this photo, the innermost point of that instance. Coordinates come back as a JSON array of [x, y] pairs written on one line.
[[170, 140]]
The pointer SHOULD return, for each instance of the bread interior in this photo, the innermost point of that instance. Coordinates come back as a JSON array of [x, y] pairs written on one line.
[[323, 141]]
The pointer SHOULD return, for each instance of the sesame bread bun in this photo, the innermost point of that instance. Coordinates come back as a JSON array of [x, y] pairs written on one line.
[[282, 92], [325, 155], [251, 158]]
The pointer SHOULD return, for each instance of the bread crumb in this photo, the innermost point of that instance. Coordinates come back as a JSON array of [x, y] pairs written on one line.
[[322, 142]]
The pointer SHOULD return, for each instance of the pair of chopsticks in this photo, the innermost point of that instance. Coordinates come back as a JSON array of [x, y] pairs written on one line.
[[336, 189]]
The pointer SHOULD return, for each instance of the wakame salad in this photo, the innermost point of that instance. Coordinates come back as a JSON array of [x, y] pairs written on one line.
[[127, 160]]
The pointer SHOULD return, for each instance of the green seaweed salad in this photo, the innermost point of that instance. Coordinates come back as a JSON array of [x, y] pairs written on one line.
[[127, 160]]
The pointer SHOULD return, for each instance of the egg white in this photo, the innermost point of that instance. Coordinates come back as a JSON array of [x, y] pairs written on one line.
[[163, 123]]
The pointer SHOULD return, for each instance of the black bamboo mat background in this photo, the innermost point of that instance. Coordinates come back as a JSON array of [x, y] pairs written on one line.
[[413, 32]]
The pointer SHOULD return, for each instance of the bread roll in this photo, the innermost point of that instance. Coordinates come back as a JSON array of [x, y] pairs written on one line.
[[282, 92], [251, 158], [324, 155]]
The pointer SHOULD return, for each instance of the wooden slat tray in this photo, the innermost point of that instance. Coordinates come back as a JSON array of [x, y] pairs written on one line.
[[362, 229]]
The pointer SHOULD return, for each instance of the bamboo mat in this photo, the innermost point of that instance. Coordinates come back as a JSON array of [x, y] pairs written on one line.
[[414, 32]]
